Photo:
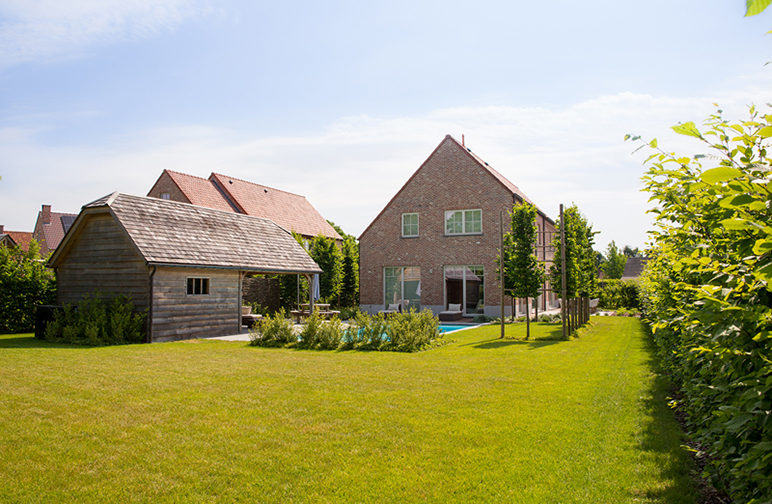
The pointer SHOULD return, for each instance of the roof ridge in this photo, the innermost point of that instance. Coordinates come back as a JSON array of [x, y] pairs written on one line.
[[256, 184], [186, 174]]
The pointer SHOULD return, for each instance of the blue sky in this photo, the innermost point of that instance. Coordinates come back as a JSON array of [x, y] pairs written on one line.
[[342, 101]]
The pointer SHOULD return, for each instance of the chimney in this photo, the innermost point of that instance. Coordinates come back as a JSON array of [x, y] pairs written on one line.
[[1, 229], [462, 141], [46, 214]]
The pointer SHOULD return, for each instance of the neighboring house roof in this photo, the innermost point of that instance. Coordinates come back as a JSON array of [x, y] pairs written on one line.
[[51, 227], [634, 267], [291, 211], [512, 188], [222, 192], [169, 233], [201, 192], [15, 239]]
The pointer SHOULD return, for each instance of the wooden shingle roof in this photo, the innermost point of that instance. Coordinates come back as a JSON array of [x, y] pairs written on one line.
[[170, 233]]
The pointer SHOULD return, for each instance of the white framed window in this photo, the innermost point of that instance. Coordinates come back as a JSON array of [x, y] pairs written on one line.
[[458, 222], [166, 195], [409, 225], [198, 286]]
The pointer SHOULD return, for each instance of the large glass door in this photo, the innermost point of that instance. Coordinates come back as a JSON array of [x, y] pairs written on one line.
[[465, 286], [403, 285]]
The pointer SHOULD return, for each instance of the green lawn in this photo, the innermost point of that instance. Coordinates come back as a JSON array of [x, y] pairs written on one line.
[[479, 420]]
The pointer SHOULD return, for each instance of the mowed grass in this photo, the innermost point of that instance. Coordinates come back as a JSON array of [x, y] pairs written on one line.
[[478, 420]]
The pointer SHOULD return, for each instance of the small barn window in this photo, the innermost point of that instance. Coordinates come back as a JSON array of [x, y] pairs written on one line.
[[198, 286]]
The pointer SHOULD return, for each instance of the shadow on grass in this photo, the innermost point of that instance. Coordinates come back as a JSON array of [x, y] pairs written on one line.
[[503, 343], [27, 341], [662, 436]]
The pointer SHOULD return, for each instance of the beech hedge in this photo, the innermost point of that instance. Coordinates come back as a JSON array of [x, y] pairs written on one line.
[[707, 294]]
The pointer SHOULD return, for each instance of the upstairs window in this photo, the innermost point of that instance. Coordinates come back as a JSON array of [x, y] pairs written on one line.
[[166, 195], [459, 222], [198, 286], [409, 225]]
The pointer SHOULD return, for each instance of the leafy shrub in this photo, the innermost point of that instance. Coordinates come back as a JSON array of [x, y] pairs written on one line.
[[349, 313], [309, 335], [547, 318], [482, 319], [94, 322], [410, 332], [24, 283], [329, 335], [619, 294], [275, 330]]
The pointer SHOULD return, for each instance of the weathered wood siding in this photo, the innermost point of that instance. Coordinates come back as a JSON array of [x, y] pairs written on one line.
[[177, 315], [102, 259]]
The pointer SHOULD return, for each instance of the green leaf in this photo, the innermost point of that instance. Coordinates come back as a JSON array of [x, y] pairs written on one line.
[[766, 132], [754, 7], [764, 274], [738, 224], [762, 336], [653, 144], [736, 201], [688, 129], [720, 173], [762, 246]]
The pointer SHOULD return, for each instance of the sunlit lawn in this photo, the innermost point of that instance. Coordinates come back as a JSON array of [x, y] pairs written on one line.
[[479, 420]]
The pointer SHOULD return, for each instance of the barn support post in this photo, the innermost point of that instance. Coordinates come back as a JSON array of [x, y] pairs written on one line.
[[149, 331], [310, 279], [242, 274]]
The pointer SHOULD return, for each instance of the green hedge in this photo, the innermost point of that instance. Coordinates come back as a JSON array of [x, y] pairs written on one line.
[[25, 282], [707, 293], [615, 294]]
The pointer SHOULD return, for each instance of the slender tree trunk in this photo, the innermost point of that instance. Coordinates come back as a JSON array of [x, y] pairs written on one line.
[[527, 319]]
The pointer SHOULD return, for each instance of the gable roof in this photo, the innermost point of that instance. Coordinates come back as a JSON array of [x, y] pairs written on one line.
[[169, 233], [200, 191], [18, 238], [509, 186], [222, 192], [50, 234], [634, 267], [291, 211]]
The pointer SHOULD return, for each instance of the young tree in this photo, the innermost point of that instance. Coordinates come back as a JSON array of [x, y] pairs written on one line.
[[349, 289], [349, 293], [524, 274], [581, 273], [614, 265], [328, 256], [631, 251]]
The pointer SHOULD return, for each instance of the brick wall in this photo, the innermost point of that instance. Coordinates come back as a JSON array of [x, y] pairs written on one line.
[[264, 291], [165, 184], [450, 179]]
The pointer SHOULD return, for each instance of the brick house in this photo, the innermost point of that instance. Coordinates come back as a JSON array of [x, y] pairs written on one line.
[[436, 242], [12, 239], [50, 228], [291, 211]]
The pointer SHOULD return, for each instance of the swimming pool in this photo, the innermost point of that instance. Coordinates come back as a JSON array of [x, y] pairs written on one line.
[[447, 328]]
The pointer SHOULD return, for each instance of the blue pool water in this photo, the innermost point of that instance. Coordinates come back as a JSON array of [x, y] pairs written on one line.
[[446, 328]]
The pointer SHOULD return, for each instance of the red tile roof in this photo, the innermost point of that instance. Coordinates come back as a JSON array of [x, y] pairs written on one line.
[[200, 191], [50, 235], [20, 238], [291, 211]]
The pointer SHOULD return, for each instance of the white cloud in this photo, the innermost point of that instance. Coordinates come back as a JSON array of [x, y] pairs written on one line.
[[46, 30], [351, 169]]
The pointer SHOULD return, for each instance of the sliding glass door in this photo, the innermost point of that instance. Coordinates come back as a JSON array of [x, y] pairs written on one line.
[[465, 285], [402, 285]]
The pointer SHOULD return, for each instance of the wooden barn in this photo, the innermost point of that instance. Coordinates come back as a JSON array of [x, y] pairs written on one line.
[[185, 264]]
